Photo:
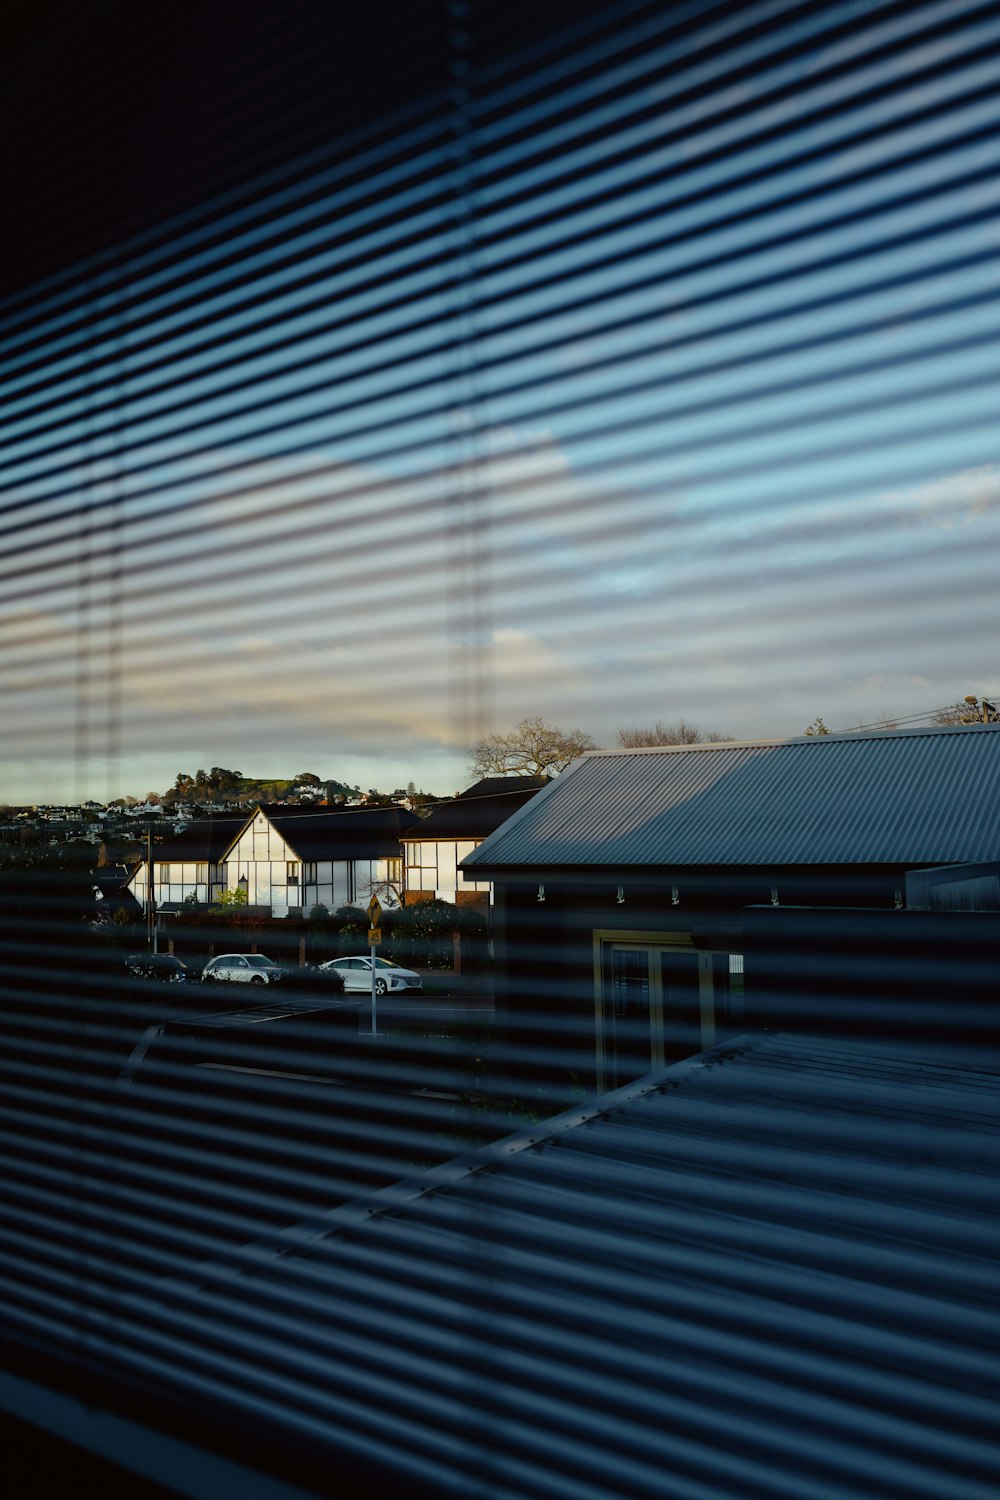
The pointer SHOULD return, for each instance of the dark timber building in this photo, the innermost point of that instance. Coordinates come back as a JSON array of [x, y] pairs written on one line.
[[629, 892]]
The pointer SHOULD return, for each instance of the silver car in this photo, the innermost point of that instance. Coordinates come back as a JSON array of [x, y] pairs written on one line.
[[241, 968], [389, 978]]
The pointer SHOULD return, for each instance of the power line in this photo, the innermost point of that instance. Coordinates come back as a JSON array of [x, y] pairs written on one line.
[[896, 721]]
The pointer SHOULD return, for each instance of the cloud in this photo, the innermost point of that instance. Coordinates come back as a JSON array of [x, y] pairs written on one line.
[[34, 643], [956, 500], [880, 682], [330, 606], [523, 658]]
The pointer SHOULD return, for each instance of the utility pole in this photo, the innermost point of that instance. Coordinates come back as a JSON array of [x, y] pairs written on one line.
[[150, 894], [987, 711]]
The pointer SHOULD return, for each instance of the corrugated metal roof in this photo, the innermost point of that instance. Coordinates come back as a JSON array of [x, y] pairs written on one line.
[[924, 796], [769, 1272]]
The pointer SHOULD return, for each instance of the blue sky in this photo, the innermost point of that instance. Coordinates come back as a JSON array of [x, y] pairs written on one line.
[[722, 446]]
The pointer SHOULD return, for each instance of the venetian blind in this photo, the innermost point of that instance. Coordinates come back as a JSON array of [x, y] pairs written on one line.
[[371, 380]]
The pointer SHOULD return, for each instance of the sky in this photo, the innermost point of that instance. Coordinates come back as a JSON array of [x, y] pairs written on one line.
[[707, 433]]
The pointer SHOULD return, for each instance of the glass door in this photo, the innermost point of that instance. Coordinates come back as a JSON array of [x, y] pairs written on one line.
[[655, 1003], [631, 1013], [681, 975]]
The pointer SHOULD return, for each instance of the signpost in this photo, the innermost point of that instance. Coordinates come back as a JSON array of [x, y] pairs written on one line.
[[374, 938]]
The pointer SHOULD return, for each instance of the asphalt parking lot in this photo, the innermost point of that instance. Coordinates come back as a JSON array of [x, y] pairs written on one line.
[[442, 992]]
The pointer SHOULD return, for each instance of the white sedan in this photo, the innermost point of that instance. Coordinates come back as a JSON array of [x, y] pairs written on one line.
[[389, 978], [241, 968]]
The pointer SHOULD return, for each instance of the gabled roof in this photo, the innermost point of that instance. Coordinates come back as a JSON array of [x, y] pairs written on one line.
[[352, 833], [480, 809], [203, 840], [767, 1271], [110, 879], [292, 809], [907, 797]]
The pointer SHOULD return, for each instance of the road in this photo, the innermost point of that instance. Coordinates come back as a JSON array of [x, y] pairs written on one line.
[[443, 994]]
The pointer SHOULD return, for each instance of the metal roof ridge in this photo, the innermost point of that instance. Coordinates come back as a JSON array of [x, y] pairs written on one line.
[[841, 735], [408, 1191], [528, 807]]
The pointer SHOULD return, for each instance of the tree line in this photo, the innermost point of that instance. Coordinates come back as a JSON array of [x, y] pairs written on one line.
[[535, 748], [220, 783]]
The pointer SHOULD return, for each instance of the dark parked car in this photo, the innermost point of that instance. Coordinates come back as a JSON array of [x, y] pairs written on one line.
[[163, 967], [313, 979], [256, 969]]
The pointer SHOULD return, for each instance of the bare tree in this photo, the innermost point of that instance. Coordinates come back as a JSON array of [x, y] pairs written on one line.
[[532, 748], [969, 711], [641, 736], [958, 713], [391, 891]]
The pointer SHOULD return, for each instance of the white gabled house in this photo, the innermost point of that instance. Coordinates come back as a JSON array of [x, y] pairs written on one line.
[[190, 865], [436, 845], [286, 859], [292, 859]]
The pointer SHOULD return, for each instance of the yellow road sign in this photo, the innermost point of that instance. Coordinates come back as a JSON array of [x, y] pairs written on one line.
[[374, 911], [374, 935]]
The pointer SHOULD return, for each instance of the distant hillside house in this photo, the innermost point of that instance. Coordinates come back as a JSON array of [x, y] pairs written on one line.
[[436, 845]]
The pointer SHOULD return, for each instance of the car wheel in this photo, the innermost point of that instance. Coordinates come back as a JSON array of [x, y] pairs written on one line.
[[257, 979], [380, 986]]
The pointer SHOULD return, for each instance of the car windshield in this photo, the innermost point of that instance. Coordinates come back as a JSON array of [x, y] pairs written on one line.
[[383, 963], [258, 961]]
